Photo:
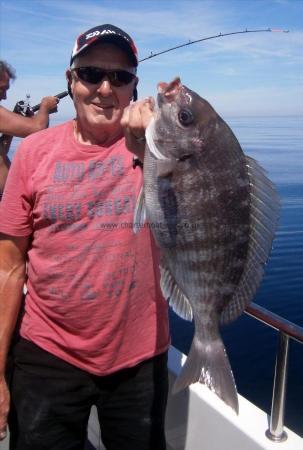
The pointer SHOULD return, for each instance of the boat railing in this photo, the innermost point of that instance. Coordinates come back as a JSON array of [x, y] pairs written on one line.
[[286, 330]]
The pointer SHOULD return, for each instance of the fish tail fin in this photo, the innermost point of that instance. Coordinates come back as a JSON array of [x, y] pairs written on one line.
[[209, 364]]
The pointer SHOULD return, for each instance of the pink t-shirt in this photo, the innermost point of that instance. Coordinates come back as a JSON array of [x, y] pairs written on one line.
[[92, 299]]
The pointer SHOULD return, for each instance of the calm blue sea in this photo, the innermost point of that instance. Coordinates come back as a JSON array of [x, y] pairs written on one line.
[[277, 143]]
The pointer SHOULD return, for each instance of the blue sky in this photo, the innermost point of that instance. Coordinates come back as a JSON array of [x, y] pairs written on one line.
[[249, 74]]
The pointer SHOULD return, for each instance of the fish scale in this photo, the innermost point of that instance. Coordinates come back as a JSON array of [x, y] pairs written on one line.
[[213, 213]]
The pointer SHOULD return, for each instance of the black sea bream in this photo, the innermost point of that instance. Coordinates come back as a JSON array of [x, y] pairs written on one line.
[[213, 213]]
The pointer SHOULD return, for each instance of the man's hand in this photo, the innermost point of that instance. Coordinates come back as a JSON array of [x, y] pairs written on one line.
[[135, 120], [4, 407], [50, 104]]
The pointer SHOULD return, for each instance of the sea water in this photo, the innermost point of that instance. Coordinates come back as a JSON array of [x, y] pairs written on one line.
[[277, 144]]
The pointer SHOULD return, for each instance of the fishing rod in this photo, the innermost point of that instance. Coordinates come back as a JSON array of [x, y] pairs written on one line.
[[190, 42], [59, 96], [153, 55], [23, 107]]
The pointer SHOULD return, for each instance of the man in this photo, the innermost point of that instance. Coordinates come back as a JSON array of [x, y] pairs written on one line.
[[13, 124], [94, 329]]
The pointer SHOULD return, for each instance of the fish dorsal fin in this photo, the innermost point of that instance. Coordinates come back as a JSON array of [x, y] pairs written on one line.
[[265, 204], [140, 212], [171, 292]]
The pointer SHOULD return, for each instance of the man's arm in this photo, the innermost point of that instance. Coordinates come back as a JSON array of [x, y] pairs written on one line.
[[16, 125], [12, 277], [4, 161]]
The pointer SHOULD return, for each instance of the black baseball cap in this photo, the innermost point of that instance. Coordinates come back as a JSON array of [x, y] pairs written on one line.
[[106, 33]]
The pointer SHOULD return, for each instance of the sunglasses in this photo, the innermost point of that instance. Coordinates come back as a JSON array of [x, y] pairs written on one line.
[[95, 75]]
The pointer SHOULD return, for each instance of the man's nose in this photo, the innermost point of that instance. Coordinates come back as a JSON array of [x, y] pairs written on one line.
[[105, 88]]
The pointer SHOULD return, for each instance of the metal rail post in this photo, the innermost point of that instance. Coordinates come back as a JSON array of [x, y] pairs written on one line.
[[275, 431]]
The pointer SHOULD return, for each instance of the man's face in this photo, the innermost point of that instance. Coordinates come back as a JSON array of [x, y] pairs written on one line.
[[4, 85], [100, 106]]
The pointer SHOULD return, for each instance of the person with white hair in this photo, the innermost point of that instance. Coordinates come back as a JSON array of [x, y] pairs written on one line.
[[13, 124]]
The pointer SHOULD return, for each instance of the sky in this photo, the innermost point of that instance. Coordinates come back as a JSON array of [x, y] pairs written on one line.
[[245, 74]]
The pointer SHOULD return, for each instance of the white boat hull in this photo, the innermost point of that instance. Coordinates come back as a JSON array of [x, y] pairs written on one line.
[[197, 419]]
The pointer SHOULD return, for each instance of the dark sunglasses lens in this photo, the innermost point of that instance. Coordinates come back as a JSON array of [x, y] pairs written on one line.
[[95, 75], [121, 77], [90, 74]]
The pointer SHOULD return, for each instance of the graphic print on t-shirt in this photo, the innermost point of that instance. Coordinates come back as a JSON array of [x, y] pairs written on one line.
[[98, 197]]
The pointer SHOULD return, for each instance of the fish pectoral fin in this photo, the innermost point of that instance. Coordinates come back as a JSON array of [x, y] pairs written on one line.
[[140, 212], [171, 292], [165, 167], [207, 362]]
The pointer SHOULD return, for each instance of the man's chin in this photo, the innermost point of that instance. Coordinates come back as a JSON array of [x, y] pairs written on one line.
[[108, 122]]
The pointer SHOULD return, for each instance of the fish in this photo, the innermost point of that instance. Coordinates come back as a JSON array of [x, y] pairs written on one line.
[[213, 213]]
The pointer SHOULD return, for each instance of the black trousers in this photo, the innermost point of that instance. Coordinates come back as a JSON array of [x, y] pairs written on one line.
[[51, 402]]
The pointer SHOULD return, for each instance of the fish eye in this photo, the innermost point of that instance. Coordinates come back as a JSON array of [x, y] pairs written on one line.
[[185, 117]]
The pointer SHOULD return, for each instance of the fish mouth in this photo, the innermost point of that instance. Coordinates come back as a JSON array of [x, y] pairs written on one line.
[[169, 91]]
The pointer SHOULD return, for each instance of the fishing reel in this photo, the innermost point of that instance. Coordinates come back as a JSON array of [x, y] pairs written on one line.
[[23, 107]]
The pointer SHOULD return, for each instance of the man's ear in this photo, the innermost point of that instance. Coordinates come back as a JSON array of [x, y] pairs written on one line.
[[135, 92], [135, 95], [68, 75]]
